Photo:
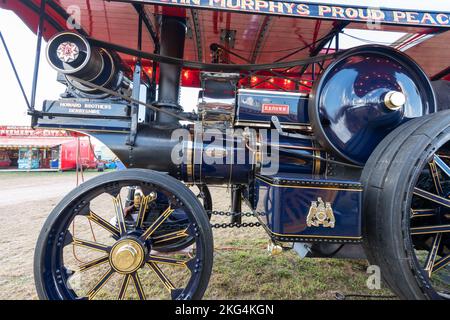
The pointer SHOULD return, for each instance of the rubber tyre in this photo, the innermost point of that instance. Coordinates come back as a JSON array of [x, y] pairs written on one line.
[[388, 178]]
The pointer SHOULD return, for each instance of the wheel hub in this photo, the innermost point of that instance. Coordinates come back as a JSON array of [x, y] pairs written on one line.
[[127, 256], [394, 100]]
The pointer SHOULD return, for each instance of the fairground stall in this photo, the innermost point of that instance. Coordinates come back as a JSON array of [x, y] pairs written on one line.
[[24, 148]]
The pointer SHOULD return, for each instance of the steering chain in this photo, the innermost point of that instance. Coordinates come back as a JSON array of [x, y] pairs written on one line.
[[236, 224]]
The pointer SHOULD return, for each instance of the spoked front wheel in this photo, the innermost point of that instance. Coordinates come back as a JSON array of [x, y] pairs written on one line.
[[98, 243]]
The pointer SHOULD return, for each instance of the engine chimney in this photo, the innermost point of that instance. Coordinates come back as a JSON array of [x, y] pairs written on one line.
[[172, 37]]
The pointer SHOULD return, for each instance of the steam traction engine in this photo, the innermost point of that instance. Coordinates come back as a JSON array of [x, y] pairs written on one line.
[[342, 153]]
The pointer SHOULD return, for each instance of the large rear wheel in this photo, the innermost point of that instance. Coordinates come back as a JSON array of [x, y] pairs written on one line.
[[407, 208]]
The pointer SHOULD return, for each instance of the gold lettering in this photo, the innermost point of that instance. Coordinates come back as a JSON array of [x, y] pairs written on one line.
[[221, 3], [351, 13], [412, 17], [278, 6], [247, 4], [377, 14], [364, 14], [303, 9], [398, 15], [231, 5], [442, 18], [428, 18], [260, 4], [338, 11], [290, 7], [324, 10]]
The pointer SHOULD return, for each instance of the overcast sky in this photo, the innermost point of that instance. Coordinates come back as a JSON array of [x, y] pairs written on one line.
[[21, 42]]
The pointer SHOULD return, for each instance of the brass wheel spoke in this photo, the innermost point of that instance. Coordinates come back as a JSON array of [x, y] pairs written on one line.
[[138, 286], [170, 236], [431, 258], [165, 281], [124, 286], [415, 213], [90, 245], [105, 277], [155, 225], [432, 197], [120, 214], [143, 208], [166, 260], [441, 164], [430, 229], [435, 175], [103, 223], [93, 263], [441, 263]]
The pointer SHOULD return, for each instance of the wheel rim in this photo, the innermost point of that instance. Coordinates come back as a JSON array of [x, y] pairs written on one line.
[[429, 223], [116, 259]]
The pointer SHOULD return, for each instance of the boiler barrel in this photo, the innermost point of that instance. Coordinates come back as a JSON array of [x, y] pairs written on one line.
[[152, 150], [219, 158], [233, 161]]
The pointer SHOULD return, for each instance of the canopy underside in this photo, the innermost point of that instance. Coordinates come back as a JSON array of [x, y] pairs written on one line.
[[254, 38]]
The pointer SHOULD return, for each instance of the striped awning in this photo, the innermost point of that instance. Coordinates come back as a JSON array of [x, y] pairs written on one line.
[[27, 142]]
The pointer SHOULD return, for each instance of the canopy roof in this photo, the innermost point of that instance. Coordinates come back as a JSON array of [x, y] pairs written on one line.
[[258, 31]]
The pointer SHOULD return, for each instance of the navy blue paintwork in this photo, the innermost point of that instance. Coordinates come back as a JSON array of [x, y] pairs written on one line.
[[234, 165], [352, 118], [250, 102], [287, 206], [295, 155], [237, 165]]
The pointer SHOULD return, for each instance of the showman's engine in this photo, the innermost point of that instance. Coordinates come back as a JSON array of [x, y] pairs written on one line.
[[335, 152], [278, 150], [311, 133]]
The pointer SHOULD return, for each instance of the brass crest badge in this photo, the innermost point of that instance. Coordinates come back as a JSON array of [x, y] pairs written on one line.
[[320, 213]]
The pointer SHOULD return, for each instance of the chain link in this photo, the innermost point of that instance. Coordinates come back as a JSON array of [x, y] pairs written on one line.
[[236, 224], [230, 214], [173, 227]]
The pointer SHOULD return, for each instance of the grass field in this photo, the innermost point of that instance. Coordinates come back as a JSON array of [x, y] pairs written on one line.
[[243, 269]]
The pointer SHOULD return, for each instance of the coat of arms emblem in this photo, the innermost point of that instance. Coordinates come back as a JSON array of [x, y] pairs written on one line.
[[320, 213]]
